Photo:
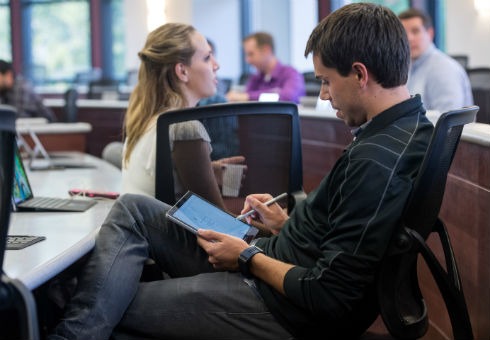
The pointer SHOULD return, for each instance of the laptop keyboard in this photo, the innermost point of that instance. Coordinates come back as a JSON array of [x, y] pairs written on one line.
[[15, 242], [45, 202]]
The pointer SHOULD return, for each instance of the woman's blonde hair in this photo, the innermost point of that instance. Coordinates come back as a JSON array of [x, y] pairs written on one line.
[[158, 87]]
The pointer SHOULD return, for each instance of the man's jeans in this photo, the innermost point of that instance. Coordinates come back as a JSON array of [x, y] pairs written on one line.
[[195, 303]]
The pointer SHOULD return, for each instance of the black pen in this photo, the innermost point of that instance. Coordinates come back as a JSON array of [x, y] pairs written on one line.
[[269, 202]]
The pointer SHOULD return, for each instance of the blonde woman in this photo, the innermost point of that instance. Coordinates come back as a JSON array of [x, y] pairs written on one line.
[[177, 70]]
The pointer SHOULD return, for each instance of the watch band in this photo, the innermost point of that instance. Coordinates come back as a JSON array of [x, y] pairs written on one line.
[[244, 260]]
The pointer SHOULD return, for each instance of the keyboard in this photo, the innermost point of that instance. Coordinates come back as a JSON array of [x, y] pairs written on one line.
[[15, 242], [46, 202]]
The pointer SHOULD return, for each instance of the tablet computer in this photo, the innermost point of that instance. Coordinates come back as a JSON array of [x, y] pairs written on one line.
[[193, 212]]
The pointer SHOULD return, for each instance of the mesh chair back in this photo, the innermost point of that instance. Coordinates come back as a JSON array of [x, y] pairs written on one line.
[[71, 109], [312, 84], [103, 89], [480, 87], [401, 303], [479, 77], [425, 200], [266, 134], [462, 60]]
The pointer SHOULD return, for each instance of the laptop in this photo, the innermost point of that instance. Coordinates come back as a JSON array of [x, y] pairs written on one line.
[[50, 161], [23, 198], [54, 163]]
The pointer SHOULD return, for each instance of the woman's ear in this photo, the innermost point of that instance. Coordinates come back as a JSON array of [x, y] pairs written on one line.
[[181, 71]]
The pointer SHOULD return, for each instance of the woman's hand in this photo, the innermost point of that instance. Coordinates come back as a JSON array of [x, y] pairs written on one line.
[[220, 164]]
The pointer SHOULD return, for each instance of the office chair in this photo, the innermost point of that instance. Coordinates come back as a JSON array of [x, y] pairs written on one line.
[[224, 86], [402, 305], [480, 87], [266, 134], [85, 77], [461, 59], [99, 89], [242, 80], [17, 306], [113, 153], [312, 85], [70, 108], [479, 77]]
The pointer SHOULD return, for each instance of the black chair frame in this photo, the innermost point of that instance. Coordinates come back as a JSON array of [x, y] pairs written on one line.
[[16, 301], [164, 186], [402, 305]]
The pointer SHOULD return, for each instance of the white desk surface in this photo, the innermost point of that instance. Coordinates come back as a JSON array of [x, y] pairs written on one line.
[[30, 121], [69, 235], [53, 128]]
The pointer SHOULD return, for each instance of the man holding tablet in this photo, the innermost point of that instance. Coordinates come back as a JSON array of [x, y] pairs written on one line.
[[314, 277]]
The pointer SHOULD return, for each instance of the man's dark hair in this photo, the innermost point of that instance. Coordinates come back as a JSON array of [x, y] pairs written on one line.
[[366, 33], [417, 13], [5, 66], [262, 39]]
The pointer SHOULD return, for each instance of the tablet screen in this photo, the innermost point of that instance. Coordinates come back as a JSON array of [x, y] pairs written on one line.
[[193, 212]]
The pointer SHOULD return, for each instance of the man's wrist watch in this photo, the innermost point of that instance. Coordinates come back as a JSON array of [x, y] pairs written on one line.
[[244, 260]]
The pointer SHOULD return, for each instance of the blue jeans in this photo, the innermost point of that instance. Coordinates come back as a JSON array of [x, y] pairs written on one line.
[[197, 302]]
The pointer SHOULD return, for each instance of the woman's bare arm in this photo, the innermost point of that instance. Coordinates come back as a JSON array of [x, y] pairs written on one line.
[[195, 171]]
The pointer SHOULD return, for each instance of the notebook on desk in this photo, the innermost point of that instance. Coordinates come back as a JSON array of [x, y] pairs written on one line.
[[23, 198]]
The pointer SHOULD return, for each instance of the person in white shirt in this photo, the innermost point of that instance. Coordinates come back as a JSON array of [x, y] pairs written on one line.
[[177, 70]]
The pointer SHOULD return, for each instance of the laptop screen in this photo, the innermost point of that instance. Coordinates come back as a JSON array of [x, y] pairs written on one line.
[[21, 190]]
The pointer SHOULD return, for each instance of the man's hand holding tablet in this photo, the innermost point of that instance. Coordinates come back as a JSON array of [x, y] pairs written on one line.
[[193, 212]]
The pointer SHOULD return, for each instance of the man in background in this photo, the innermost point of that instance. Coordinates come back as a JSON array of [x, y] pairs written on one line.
[[16, 92], [271, 76], [438, 78]]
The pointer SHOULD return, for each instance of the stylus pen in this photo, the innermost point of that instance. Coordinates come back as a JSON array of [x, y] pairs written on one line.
[[269, 202]]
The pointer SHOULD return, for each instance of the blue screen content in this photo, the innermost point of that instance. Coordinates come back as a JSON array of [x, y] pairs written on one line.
[[203, 215], [21, 189]]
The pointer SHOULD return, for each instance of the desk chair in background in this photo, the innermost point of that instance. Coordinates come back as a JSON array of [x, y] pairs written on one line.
[[480, 87], [113, 153], [312, 85], [266, 134], [462, 59], [18, 315], [70, 107], [103, 89], [402, 305]]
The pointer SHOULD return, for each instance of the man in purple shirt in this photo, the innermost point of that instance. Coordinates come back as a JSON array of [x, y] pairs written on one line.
[[272, 76]]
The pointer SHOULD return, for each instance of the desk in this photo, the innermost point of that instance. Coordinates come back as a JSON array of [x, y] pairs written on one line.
[[105, 116], [55, 136], [465, 211], [68, 235]]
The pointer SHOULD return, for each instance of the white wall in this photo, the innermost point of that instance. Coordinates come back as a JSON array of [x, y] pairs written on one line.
[[304, 16], [273, 16], [137, 23], [135, 30], [219, 21], [291, 22], [468, 32]]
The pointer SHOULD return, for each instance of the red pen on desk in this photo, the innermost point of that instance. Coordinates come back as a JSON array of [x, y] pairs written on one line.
[[93, 193]]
